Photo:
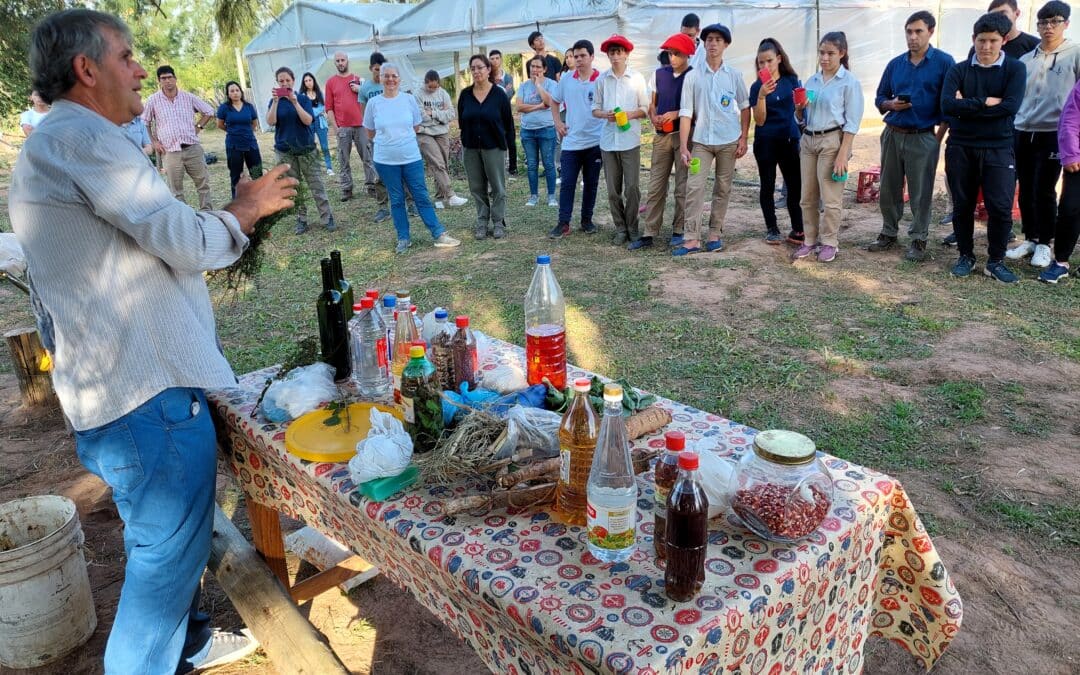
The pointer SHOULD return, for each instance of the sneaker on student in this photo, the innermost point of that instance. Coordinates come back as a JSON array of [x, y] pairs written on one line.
[[329, 172], [946, 219], [331, 226], [676, 240], [499, 231], [1026, 248], [999, 271], [643, 242], [301, 227], [381, 215], [589, 227], [559, 231], [916, 251], [446, 241], [950, 238], [826, 254], [457, 201], [796, 238], [964, 265], [773, 238], [552, 201], [1055, 273], [802, 252], [1041, 257], [402, 245], [227, 647], [714, 246], [533, 199], [440, 205]]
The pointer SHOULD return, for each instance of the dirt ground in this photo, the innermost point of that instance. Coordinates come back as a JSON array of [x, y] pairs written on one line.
[[1021, 605]]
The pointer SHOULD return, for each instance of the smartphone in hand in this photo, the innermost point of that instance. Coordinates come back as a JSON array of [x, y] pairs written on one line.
[[282, 92]]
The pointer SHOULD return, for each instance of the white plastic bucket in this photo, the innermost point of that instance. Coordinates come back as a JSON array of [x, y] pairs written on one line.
[[46, 609]]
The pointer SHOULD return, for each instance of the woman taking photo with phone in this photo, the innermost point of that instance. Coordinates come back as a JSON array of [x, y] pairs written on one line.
[[776, 137], [291, 115]]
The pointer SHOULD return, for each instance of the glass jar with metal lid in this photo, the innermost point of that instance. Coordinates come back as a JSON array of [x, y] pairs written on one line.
[[781, 491]]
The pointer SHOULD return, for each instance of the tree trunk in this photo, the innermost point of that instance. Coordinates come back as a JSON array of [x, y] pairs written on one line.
[[29, 357]]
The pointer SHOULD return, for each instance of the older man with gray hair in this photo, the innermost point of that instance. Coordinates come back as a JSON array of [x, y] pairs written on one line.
[[117, 265]]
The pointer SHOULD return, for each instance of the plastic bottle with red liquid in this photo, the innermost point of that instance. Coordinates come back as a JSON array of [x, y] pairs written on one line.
[[665, 474], [545, 327], [466, 361], [687, 532]]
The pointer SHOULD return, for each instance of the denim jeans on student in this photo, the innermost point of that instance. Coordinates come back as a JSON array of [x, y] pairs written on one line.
[[324, 142], [161, 462], [539, 147], [588, 164], [396, 177]]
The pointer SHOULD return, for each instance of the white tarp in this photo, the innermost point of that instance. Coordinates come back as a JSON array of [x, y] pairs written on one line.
[[426, 36]]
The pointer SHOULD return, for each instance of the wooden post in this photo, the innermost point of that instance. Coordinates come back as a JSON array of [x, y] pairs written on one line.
[[266, 532], [459, 77], [293, 644], [31, 366]]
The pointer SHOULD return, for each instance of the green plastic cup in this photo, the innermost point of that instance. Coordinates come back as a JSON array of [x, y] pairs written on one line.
[[695, 164]]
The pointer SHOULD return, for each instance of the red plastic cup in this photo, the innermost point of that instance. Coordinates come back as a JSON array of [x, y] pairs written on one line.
[[800, 96], [667, 126], [764, 75]]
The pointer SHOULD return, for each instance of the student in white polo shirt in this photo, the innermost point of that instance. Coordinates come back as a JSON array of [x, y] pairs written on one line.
[[581, 138], [714, 97], [621, 88]]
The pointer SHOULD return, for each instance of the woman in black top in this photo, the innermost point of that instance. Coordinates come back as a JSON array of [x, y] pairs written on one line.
[[483, 116]]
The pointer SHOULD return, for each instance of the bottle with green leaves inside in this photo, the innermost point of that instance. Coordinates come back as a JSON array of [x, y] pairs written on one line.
[[421, 398]]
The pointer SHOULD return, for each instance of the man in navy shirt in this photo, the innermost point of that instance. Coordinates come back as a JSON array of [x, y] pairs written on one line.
[[909, 95]]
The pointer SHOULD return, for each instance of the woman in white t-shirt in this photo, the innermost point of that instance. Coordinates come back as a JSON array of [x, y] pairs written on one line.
[[32, 117], [391, 120]]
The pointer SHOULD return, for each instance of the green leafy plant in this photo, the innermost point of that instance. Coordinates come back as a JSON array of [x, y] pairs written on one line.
[[633, 400]]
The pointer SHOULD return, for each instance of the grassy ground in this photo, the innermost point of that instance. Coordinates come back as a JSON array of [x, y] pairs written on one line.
[[945, 383]]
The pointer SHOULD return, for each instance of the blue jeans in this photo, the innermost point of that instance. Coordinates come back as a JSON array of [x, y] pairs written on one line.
[[160, 461], [324, 143], [587, 162], [539, 146], [396, 177]]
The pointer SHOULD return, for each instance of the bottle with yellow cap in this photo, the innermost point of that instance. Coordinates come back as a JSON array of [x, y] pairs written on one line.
[[611, 510], [421, 398]]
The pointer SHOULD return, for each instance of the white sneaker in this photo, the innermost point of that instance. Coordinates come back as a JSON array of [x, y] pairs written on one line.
[[1026, 248], [329, 172], [552, 201], [446, 241], [458, 201], [439, 205], [227, 647], [1041, 258], [533, 199]]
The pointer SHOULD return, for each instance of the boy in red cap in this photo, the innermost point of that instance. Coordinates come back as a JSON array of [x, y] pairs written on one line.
[[664, 114], [715, 99], [621, 88]]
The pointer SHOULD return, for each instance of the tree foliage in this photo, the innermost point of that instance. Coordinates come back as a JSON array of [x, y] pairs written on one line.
[[17, 19]]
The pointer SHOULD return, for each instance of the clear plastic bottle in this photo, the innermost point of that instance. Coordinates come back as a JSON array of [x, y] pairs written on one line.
[[578, 432], [466, 361], [417, 320], [545, 327], [665, 474], [687, 532], [612, 490], [389, 307], [370, 367], [441, 355], [404, 336]]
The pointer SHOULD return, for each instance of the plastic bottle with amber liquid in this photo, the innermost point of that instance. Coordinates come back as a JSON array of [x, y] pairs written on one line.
[[687, 532], [578, 432], [665, 473]]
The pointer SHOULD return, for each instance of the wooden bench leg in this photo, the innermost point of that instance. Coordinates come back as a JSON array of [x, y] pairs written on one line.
[[266, 533]]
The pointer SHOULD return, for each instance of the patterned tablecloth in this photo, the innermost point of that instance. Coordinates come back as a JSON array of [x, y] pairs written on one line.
[[524, 592]]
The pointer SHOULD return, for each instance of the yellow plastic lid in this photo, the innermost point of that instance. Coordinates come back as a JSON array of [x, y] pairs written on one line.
[[309, 437], [612, 392], [416, 351]]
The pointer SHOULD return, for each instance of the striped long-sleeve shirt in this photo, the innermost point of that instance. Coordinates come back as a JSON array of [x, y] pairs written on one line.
[[117, 265]]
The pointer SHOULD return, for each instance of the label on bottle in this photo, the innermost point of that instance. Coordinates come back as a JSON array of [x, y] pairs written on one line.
[[660, 508], [409, 408], [564, 466], [611, 527], [383, 354], [397, 388]]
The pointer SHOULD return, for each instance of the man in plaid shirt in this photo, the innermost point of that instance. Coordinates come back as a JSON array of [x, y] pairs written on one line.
[[170, 116]]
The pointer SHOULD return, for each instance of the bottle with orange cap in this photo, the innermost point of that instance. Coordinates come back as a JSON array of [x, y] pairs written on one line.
[[421, 399]]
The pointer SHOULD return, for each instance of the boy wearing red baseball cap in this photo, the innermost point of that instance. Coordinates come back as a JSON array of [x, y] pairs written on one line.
[[621, 89], [664, 115]]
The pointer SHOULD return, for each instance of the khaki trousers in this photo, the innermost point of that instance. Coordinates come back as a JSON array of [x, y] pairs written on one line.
[[665, 154], [724, 158], [817, 155], [436, 153], [192, 161], [306, 167], [622, 172]]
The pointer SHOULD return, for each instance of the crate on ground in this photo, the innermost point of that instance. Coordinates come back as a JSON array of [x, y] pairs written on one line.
[[869, 186], [980, 206]]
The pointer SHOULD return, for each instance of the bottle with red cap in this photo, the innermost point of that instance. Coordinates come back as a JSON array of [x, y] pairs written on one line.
[[687, 532], [665, 473], [370, 365], [466, 361]]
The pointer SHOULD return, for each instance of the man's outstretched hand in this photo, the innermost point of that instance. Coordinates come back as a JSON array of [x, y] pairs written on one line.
[[266, 196]]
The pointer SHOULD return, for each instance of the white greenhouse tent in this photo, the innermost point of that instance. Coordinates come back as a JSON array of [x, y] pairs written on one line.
[[441, 34]]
